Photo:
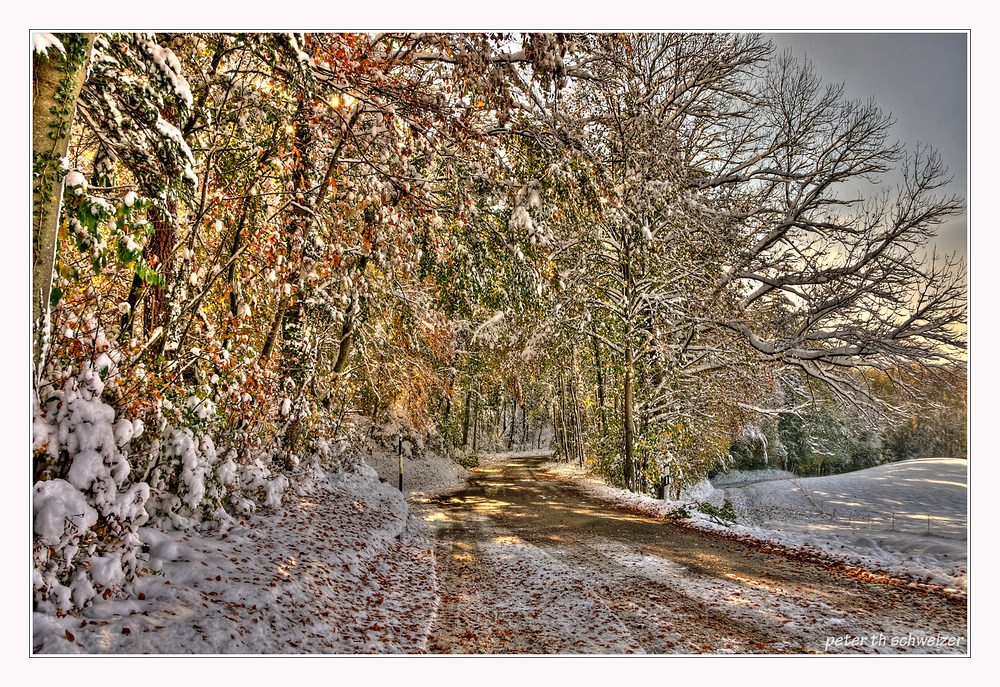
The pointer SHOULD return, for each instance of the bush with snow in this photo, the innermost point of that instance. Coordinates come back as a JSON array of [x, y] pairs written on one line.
[[86, 513], [196, 482], [101, 476]]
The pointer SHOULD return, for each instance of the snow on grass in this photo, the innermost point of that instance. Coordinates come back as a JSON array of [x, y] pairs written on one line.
[[340, 566], [906, 519]]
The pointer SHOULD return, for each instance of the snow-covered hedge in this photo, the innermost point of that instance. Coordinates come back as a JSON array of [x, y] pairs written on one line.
[[91, 495], [86, 509]]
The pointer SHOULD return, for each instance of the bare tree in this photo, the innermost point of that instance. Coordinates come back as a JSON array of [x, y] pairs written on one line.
[[727, 237], [859, 285], [657, 106]]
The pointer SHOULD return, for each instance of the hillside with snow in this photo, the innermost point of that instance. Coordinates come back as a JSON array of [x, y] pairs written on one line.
[[904, 518]]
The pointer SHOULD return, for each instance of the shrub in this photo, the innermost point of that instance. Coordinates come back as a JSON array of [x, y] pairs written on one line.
[[724, 515]]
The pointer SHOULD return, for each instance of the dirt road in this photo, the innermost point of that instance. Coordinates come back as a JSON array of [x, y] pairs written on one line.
[[530, 563]]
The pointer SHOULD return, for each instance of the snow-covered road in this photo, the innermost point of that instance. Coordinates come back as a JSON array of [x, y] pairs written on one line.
[[522, 559], [530, 563]]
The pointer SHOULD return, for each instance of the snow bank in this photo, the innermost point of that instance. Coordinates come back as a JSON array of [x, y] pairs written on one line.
[[340, 567], [424, 472]]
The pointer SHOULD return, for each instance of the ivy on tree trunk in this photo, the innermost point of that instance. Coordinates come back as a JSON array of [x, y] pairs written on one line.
[[57, 80]]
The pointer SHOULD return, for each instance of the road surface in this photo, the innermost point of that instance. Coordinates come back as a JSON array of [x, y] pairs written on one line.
[[530, 563]]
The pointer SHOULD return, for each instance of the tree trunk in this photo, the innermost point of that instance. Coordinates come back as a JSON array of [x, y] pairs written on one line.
[[563, 429], [272, 334], [556, 415], [231, 276], [599, 368], [465, 421], [160, 252], [128, 319], [578, 425], [513, 423], [57, 81], [294, 363], [628, 425], [347, 331], [346, 339], [475, 422]]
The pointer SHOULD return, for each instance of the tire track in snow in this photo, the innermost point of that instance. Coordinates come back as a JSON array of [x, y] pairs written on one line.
[[504, 595]]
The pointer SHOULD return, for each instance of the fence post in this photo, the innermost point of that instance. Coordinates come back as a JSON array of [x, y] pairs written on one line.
[[399, 453]]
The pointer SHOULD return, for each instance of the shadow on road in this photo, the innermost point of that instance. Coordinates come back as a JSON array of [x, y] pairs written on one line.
[[530, 563]]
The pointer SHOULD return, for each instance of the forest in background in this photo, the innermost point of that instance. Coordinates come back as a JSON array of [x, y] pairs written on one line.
[[664, 255]]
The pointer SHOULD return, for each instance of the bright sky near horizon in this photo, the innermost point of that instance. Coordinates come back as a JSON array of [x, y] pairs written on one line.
[[921, 78]]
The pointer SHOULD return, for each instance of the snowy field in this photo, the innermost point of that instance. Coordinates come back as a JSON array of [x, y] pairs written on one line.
[[906, 519]]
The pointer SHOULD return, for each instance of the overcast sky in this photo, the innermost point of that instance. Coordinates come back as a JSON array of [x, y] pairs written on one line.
[[921, 78]]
